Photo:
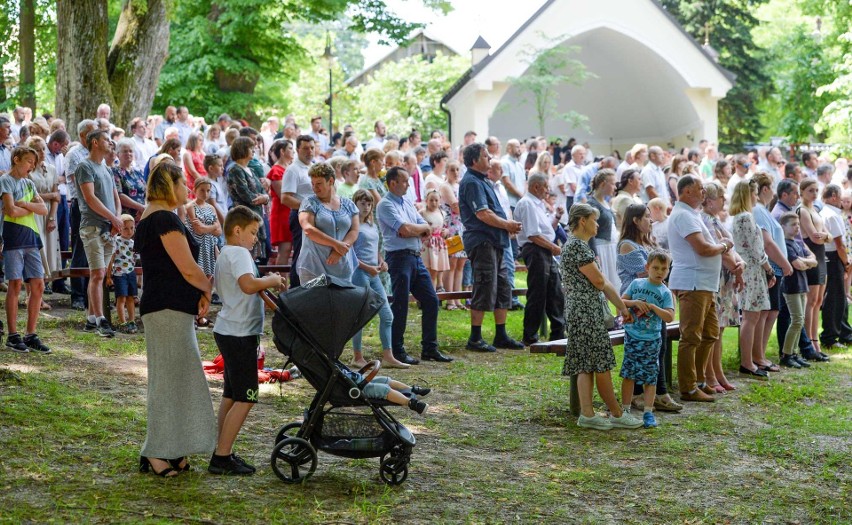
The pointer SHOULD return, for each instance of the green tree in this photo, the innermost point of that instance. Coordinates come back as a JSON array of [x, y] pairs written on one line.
[[836, 119], [227, 55], [401, 99], [549, 69], [731, 23], [12, 89]]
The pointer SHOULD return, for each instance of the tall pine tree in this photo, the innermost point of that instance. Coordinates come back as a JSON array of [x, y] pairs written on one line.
[[730, 23]]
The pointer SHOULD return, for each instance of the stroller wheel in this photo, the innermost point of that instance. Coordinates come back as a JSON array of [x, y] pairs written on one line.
[[291, 458], [394, 470], [288, 430]]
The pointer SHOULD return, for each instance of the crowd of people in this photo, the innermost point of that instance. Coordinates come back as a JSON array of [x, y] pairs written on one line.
[[743, 240]]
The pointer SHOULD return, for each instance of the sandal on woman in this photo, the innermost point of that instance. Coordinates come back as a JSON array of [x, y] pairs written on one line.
[[728, 386], [451, 307], [176, 464], [771, 367], [146, 466], [44, 306]]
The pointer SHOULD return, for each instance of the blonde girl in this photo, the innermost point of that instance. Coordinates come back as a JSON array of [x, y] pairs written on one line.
[[435, 256]]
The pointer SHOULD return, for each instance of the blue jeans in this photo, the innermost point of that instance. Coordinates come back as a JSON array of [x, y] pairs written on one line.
[[509, 261], [409, 275], [363, 279]]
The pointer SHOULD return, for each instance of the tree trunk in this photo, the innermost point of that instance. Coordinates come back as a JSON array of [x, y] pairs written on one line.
[[27, 53], [138, 52], [81, 74]]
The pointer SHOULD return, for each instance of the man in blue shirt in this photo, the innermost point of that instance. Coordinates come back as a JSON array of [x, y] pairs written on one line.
[[486, 236], [402, 228]]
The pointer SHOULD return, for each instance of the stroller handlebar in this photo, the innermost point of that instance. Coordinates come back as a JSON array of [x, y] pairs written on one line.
[[268, 299]]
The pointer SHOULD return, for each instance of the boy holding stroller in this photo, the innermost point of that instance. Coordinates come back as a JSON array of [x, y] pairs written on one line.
[[237, 333]]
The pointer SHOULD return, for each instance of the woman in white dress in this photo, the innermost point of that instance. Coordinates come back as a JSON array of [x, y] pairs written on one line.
[[47, 185]]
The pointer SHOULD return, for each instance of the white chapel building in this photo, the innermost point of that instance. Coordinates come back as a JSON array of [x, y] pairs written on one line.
[[654, 83]]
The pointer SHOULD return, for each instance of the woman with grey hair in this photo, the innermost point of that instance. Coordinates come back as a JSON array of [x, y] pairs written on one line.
[[589, 354], [128, 179]]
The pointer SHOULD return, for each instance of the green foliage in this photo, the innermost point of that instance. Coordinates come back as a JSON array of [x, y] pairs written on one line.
[[45, 53], [550, 68], [239, 56], [804, 69], [731, 22], [405, 95]]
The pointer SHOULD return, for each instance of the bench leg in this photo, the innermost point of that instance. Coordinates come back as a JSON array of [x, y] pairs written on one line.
[[668, 362], [575, 397]]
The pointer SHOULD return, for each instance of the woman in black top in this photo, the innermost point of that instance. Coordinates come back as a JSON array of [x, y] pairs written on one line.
[[180, 411]]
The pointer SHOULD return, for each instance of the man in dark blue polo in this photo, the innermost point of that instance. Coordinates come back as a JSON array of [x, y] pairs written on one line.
[[486, 236], [402, 229]]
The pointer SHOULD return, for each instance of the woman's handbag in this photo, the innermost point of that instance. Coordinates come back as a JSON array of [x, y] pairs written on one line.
[[454, 244], [609, 319]]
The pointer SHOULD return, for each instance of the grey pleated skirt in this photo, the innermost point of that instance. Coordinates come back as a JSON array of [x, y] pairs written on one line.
[[180, 410]]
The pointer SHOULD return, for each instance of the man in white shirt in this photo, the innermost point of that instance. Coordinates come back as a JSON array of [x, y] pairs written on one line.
[[544, 287], [296, 187], [653, 178], [564, 185], [320, 140], [143, 147], [183, 125], [836, 331], [514, 178], [741, 173], [496, 176], [379, 140], [56, 143], [272, 125]]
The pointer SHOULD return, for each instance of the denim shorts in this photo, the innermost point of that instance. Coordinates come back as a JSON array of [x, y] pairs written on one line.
[[125, 285], [378, 388], [23, 263]]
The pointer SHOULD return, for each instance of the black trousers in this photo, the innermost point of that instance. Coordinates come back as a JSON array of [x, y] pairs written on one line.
[[296, 230], [835, 310], [544, 293], [79, 285]]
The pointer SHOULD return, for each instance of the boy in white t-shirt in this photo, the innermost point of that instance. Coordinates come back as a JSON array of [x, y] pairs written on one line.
[[237, 333]]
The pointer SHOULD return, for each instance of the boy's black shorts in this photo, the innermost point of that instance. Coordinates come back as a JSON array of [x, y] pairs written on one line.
[[240, 356]]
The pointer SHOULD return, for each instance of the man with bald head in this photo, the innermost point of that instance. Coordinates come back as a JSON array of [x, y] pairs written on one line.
[[565, 184], [492, 144], [168, 121], [544, 287], [587, 174], [378, 141]]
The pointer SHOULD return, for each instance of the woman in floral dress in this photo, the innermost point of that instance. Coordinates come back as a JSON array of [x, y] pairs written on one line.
[[449, 192], [754, 297], [727, 308], [588, 353]]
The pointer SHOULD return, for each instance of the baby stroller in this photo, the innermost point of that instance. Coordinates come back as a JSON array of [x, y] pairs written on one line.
[[310, 326]]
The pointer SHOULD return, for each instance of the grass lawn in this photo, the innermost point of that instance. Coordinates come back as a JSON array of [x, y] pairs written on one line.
[[497, 445]]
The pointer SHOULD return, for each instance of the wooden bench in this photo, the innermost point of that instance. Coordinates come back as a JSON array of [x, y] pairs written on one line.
[[616, 338]]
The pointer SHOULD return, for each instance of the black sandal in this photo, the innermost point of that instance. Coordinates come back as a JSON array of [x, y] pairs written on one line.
[[146, 466], [175, 463]]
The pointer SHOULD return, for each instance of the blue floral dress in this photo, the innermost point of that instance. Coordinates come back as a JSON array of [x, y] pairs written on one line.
[[131, 183]]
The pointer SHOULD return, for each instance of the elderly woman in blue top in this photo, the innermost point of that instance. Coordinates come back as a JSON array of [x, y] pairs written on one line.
[[402, 228], [329, 229]]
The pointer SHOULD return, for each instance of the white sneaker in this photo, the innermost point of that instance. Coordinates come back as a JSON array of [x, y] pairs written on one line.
[[625, 421], [596, 422]]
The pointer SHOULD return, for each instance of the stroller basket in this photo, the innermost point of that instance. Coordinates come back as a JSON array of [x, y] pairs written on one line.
[[350, 431]]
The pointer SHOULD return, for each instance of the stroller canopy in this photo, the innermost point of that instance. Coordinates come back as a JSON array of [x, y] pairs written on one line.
[[327, 311]]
